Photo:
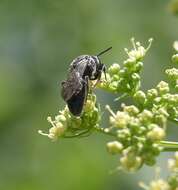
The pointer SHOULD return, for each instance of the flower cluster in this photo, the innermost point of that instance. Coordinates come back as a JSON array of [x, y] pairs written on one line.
[[157, 184], [171, 183], [173, 167], [160, 100], [66, 125], [126, 80], [138, 130], [138, 135]]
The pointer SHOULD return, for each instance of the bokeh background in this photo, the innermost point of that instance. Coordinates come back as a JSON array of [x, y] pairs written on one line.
[[38, 40]]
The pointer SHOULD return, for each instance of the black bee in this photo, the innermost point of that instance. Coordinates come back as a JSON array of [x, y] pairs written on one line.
[[75, 88]]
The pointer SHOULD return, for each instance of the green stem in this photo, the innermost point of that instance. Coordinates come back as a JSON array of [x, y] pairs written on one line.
[[105, 131], [169, 146], [81, 134]]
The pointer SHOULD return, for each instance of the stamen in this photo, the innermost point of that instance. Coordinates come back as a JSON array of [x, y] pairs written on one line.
[[110, 110], [133, 43], [150, 43], [41, 133]]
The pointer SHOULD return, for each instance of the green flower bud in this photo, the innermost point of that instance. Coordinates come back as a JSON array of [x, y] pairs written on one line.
[[138, 51], [163, 87], [75, 123], [115, 77], [149, 159], [135, 77], [157, 100], [156, 149], [60, 118], [57, 130], [89, 106], [175, 44], [138, 66], [161, 120], [152, 93], [135, 123], [131, 162], [156, 134], [123, 134], [114, 69], [175, 58], [140, 97], [113, 85], [114, 147], [112, 120], [146, 116], [121, 119], [131, 110], [137, 54], [130, 63], [163, 111], [172, 73]]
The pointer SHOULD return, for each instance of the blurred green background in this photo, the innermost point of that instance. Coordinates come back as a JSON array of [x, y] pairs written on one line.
[[38, 40]]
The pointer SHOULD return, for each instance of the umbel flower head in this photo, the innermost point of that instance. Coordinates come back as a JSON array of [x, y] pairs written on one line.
[[170, 183], [156, 184], [126, 79], [67, 126], [137, 136], [138, 131]]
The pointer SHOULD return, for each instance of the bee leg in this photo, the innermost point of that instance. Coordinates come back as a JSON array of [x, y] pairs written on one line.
[[103, 69], [86, 83]]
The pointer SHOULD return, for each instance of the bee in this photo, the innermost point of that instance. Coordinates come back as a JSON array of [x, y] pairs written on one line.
[[75, 88]]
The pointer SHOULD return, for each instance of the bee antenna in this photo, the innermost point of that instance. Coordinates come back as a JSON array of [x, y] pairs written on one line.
[[101, 53]]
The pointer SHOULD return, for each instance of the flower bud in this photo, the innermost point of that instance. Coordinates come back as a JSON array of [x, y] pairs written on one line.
[[163, 87], [175, 45], [113, 85], [146, 116], [135, 77], [140, 97], [114, 69], [123, 134], [60, 118], [55, 132], [121, 119], [130, 62], [114, 147], [172, 73], [131, 110], [138, 66], [131, 162], [175, 58], [156, 134], [152, 93]]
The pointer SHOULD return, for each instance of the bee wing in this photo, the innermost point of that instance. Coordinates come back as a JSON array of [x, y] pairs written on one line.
[[71, 86], [76, 102]]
